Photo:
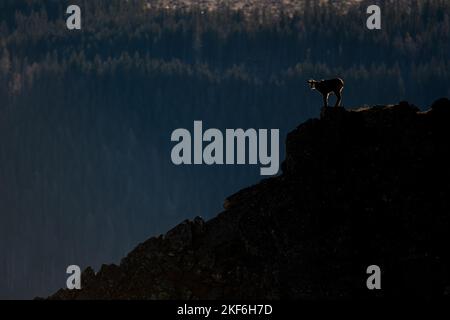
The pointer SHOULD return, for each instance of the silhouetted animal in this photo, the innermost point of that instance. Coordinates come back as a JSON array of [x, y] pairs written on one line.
[[325, 87]]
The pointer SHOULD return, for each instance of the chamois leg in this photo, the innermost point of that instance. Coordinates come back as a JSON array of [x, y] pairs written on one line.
[[325, 100], [339, 98]]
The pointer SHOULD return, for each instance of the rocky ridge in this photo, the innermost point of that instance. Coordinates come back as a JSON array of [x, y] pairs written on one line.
[[358, 187]]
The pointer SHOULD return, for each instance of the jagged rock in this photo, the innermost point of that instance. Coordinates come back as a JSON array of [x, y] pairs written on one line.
[[359, 187], [441, 105]]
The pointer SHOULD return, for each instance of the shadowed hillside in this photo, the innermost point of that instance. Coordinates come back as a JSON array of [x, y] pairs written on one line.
[[86, 116], [359, 187]]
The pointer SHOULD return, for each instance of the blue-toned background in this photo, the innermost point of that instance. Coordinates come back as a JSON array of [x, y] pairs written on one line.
[[86, 116]]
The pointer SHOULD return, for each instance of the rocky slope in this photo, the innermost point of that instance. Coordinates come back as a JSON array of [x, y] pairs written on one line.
[[361, 187]]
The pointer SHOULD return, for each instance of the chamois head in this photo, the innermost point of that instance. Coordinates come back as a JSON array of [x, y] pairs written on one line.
[[312, 84]]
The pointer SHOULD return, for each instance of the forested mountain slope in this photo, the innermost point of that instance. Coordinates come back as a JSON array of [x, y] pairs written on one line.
[[86, 116]]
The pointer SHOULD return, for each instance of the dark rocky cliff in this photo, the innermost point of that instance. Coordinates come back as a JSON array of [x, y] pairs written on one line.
[[362, 187]]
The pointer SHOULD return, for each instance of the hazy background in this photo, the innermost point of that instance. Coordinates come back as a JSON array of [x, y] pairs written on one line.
[[86, 116]]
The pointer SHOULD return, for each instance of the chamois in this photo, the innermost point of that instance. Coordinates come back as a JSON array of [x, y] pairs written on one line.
[[326, 87]]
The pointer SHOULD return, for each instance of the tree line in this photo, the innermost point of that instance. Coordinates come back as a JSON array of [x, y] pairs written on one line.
[[86, 117]]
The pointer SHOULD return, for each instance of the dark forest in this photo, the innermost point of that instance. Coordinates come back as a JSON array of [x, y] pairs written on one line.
[[86, 116]]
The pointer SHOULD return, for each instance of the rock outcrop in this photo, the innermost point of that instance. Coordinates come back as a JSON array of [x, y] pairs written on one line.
[[358, 187]]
